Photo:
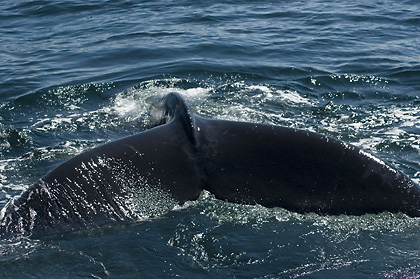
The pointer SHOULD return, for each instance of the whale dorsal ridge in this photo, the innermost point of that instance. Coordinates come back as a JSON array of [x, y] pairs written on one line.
[[173, 107]]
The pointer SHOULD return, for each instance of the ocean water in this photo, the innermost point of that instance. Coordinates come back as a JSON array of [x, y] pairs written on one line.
[[76, 74]]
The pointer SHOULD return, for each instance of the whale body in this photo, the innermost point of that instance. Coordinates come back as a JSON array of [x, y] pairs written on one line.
[[185, 154]]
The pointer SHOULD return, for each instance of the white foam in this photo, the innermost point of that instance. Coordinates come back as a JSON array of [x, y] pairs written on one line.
[[195, 92], [262, 88], [127, 106], [295, 98]]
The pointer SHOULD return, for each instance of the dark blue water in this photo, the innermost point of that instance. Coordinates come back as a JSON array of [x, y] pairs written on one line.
[[76, 74]]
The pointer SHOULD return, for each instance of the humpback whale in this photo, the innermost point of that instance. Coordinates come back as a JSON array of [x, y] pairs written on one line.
[[184, 154]]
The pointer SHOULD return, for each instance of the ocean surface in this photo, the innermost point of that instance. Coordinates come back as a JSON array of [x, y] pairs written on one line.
[[76, 74]]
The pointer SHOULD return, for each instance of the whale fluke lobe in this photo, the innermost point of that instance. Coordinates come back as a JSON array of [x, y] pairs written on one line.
[[147, 174]]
